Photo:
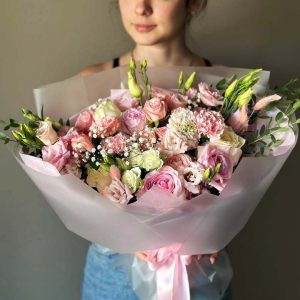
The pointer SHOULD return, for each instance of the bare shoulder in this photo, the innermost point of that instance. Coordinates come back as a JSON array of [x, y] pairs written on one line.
[[123, 60], [96, 68]]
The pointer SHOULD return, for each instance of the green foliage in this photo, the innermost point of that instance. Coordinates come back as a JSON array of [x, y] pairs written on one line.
[[184, 86], [147, 86], [24, 133], [223, 84], [239, 93], [122, 164], [259, 140]]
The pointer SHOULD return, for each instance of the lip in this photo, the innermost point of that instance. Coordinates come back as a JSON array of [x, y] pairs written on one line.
[[144, 27]]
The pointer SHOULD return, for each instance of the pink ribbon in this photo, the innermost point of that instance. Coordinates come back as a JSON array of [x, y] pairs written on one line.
[[171, 274]]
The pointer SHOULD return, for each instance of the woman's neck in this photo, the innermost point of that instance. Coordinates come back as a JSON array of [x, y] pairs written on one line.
[[170, 53]]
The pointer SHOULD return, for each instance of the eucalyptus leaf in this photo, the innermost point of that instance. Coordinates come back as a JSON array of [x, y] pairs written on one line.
[[261, 144], [273, 138], [262, 130], [278, 117], [3, 136], [222, 84], [283, 129], [13, 123]]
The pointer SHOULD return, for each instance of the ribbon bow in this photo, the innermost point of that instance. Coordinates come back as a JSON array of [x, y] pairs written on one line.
[[171, 274]]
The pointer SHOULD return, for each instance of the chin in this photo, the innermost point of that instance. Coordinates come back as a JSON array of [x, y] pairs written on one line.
[[146, 39]]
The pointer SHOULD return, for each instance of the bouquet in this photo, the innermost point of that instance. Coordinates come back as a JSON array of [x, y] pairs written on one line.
[[172, 172]]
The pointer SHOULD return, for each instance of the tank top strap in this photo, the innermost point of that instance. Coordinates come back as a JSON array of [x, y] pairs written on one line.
[[207, 62], [116, 62]]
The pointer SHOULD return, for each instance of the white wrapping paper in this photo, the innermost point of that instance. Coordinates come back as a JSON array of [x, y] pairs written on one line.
[[205, 224]]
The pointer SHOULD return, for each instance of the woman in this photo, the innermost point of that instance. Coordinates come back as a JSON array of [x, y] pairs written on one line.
[[158, 29]]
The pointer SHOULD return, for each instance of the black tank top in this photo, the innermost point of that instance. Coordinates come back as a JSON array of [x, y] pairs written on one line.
[[116, 62]]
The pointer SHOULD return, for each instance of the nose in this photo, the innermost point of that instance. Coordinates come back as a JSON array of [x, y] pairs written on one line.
[[143, 8]]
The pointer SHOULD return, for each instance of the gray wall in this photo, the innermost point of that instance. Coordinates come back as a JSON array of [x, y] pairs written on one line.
[[44, 41]]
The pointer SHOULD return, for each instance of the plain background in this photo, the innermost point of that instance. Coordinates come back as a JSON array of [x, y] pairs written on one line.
[[43, 41]]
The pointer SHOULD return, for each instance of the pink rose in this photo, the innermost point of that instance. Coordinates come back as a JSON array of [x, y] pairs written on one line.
[[172, 98], [105, 127], [179, 162], [81, 143], [56, 154], [115, 144], [165, 178], [209, 156], [209, 96], [123, 99], [133, 120], [155, 109], [172, 144], [239, 120], [84, 121], [118, 192]]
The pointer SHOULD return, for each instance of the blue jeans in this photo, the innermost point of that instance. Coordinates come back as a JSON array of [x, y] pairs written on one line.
[[106, 279]]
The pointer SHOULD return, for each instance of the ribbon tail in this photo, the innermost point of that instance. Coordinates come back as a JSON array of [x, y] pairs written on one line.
[[181, 288], [165, 280]]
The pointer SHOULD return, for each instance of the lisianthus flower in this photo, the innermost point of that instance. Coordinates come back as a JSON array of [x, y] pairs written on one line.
[[179, 162], [263, 102], [209, 156], [172, 98], [124, 100], [56, 154], [192, 93], [192, 177], [208, 95], [239, 120]]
